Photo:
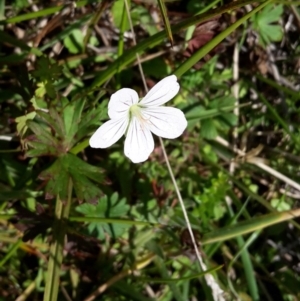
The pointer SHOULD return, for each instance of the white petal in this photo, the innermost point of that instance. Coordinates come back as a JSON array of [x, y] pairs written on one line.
[[162, 92], [109, 133], [165, 122], [120, 103], [139, 143]]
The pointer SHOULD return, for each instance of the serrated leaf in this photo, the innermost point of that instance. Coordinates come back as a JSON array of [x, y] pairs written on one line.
[[72, 115], [50, 89], [81, 167], [44, 142], [41, 131], [57, 177], [54, 120], [40, 149], [47, 70], [89, 119], [84, 188], [82, 175], [46, 73]]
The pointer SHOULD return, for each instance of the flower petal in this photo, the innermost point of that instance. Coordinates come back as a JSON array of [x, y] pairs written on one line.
[[162, 92], [120, 103], [165, 122], [139, 143], [109, 133]]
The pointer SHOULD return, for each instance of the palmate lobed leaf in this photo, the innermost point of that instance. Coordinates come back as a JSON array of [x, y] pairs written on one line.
[[40, 149], [79, 166], [91, 119], [263, 24], [43, 142], [54, 120], [47, 69], [58, 130], [270, 14], [57, 177], [81, 173], [42, 132], [46, 73], [273, 31], [106, 208]]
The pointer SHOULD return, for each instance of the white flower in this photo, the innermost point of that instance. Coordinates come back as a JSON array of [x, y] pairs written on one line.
[[137, 119]]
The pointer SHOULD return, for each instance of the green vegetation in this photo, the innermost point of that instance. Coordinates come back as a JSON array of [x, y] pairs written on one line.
[[79, 223]]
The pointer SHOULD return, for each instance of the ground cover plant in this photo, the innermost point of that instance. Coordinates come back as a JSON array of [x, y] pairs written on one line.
[[210, 214]]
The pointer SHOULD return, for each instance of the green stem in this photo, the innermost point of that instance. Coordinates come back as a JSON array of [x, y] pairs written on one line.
[[62, 210], [80, 147]]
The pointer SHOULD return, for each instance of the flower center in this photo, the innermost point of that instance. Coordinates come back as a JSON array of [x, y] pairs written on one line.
[[136, 111]]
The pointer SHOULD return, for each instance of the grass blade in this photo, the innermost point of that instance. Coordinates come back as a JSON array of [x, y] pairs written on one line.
[[251, 225], [164, 14]]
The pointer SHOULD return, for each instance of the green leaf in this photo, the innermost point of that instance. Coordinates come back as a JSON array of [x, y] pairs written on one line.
[[22, 122], [47, 69], [72, 115], [81, 173], [280, 204], [74, 41], [54, 121], [91, 119], [118, 10], [208, 129], [211, 201], [222, 102], [141, 15], [46, 73], [38, 103], [263, 24], [107, 208], [57, 177], [227, 120], [43, 142]]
